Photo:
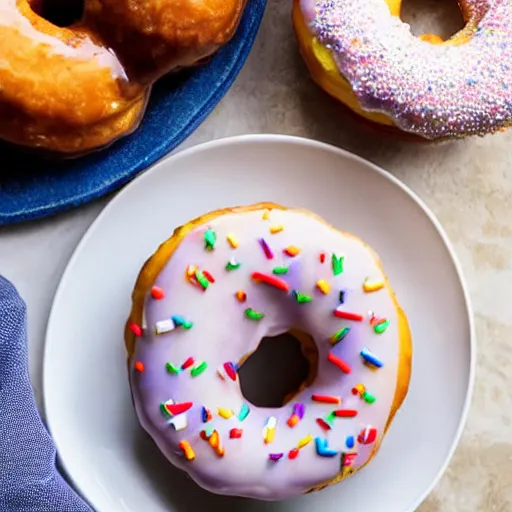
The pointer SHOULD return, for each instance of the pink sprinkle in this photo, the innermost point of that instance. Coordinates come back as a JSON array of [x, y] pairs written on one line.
[[266, 249], [136, 329]]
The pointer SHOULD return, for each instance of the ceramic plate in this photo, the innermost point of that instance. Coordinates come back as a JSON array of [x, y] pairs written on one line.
[[32, 188], [101, 446]]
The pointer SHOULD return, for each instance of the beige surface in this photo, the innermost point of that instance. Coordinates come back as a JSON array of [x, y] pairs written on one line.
[[467, 184]]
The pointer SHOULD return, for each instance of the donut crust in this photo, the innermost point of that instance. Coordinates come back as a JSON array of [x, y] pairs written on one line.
[[159, 259]]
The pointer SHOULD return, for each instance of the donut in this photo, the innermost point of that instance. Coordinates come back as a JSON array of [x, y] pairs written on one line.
[[201, 305], [70, 90], [362, 54]]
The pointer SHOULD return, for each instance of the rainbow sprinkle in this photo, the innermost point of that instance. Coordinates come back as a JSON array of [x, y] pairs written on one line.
[[179, 321], [337, 264], [339, 336], [206, 415], [297, 415], [269, 430], [201, 279], [241, 296]]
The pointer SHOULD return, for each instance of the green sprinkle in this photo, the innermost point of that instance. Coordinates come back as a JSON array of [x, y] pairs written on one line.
[[232, 265], [253, 315], [201, 279], [369, 399], [301, 298], [165, 412], [244, 412], [208, 430], [280, 270], [381, 327], [339, 336], [171, 368], [330, 417], [187, 325], [197, 370], [337, 264], [210, 238]]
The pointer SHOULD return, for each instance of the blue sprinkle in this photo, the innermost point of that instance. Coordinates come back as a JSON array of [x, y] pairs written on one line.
[[350, 442], [322, 449], [371, 358], [205, 415]]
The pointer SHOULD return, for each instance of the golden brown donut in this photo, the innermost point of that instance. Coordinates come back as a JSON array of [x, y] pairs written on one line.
[[79, 88]]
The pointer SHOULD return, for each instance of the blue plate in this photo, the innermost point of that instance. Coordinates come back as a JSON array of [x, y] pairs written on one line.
[[32, 188]]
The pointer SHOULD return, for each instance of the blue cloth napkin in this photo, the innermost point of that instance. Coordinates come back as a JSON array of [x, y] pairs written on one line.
[[29, 480]]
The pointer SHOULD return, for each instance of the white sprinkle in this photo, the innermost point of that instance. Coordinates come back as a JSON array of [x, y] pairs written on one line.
[[164, 326]]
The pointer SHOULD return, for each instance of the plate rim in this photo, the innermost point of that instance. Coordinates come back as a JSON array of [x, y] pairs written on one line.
[[292, 140]]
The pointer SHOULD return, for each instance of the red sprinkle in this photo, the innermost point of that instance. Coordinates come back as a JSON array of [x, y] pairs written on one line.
[[344, 367], [292, 454], [323, 424], [230, 370], [345, 413], [235, 433], [322, 257], [136, 329], [139, 366], [157, 293], [368, 435], [326, 399], [208, 276], [271, 280], [347, 315], [188, 363], [174, 409]]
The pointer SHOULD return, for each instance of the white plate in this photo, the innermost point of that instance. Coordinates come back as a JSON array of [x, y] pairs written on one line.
[[104, 451]]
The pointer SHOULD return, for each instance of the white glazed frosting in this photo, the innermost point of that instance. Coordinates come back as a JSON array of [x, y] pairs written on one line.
[[221, 332]]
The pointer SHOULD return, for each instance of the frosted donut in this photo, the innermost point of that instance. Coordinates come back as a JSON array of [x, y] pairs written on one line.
[[362, 54], [201, 305], [70, 90]]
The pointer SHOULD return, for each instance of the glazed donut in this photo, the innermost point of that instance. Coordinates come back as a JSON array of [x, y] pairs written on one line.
[[201, 305], [362, 54], [71, 90]]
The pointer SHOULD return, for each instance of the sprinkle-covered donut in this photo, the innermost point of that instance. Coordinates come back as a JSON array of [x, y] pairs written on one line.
[[361, 53], [201, 306]]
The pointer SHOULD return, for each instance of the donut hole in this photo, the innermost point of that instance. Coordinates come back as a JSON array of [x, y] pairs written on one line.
[[61, 13], [440, 18], [281, 366]]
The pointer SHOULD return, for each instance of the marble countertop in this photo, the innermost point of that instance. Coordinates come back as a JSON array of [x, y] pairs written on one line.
[[468, 185]]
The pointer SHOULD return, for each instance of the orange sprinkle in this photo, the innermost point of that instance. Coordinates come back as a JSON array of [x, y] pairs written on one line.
[[292, 251], [139, 366], [293, 420], [241, 296], [187, 450], [276, 228]]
